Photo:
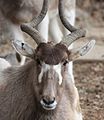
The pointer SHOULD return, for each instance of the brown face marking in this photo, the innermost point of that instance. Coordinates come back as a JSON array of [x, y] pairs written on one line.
[[52, 54]]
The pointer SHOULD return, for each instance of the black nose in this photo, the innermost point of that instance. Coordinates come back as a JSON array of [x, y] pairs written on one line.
[[48, 102]]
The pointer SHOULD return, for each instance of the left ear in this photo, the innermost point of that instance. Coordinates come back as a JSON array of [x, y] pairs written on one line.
[[23, 48], [76, 53]]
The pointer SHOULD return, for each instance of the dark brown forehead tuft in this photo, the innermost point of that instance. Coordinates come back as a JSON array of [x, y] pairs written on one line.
[[52, 54]]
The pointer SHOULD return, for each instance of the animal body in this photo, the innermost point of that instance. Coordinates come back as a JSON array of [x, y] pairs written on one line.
[[42, 89], [17, 12], [22, 11]]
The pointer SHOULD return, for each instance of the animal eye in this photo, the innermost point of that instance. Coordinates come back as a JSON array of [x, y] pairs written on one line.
[[65, 62], [38, 62]]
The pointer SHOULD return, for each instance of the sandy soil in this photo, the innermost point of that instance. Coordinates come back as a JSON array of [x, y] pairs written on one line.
[[89, 77]]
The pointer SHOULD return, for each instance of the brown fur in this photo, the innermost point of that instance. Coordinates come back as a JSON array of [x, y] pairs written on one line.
[[20, 99], [55, 54]]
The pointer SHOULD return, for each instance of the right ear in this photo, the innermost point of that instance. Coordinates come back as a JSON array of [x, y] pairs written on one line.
[[23, 48], [76, 53]]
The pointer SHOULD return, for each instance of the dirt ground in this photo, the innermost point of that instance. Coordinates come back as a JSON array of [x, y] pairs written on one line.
[[89, 77]]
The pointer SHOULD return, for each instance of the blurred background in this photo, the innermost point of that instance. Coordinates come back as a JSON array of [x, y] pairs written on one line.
[[88, 70]]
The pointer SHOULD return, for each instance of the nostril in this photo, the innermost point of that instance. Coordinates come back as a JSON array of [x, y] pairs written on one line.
[[48, 102]]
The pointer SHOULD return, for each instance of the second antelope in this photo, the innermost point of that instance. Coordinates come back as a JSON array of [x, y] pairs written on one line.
[[17, 12]]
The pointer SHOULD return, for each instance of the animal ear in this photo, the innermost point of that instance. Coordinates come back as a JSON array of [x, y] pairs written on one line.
[[76, 53], [23, 48]]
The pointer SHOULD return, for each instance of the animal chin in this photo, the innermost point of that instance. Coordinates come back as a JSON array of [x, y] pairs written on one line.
[[48, 107]]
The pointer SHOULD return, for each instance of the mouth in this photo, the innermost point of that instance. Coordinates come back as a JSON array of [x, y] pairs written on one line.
[[50, 106]]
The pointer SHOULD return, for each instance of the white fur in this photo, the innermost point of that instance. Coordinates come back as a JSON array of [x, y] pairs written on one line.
[[57, 68], [4, 64], [46, 67], [78, 116], [54, 29], [16, 34], [43, 27]]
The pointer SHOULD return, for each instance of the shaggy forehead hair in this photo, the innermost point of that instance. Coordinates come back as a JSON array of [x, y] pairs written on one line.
[[52, 54]]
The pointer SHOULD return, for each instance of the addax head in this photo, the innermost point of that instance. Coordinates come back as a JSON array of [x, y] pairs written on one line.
[[52, 66]]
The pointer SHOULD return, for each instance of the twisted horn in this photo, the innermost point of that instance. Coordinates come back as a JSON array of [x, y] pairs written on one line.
[[75, 33], [29, 28]]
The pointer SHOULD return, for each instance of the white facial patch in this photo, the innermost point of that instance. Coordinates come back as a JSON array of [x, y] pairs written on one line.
[[57, 68], [46, 67]]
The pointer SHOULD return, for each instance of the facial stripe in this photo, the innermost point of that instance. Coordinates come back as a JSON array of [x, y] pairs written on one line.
[[40, 76], [46, 67], [57, 68]]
